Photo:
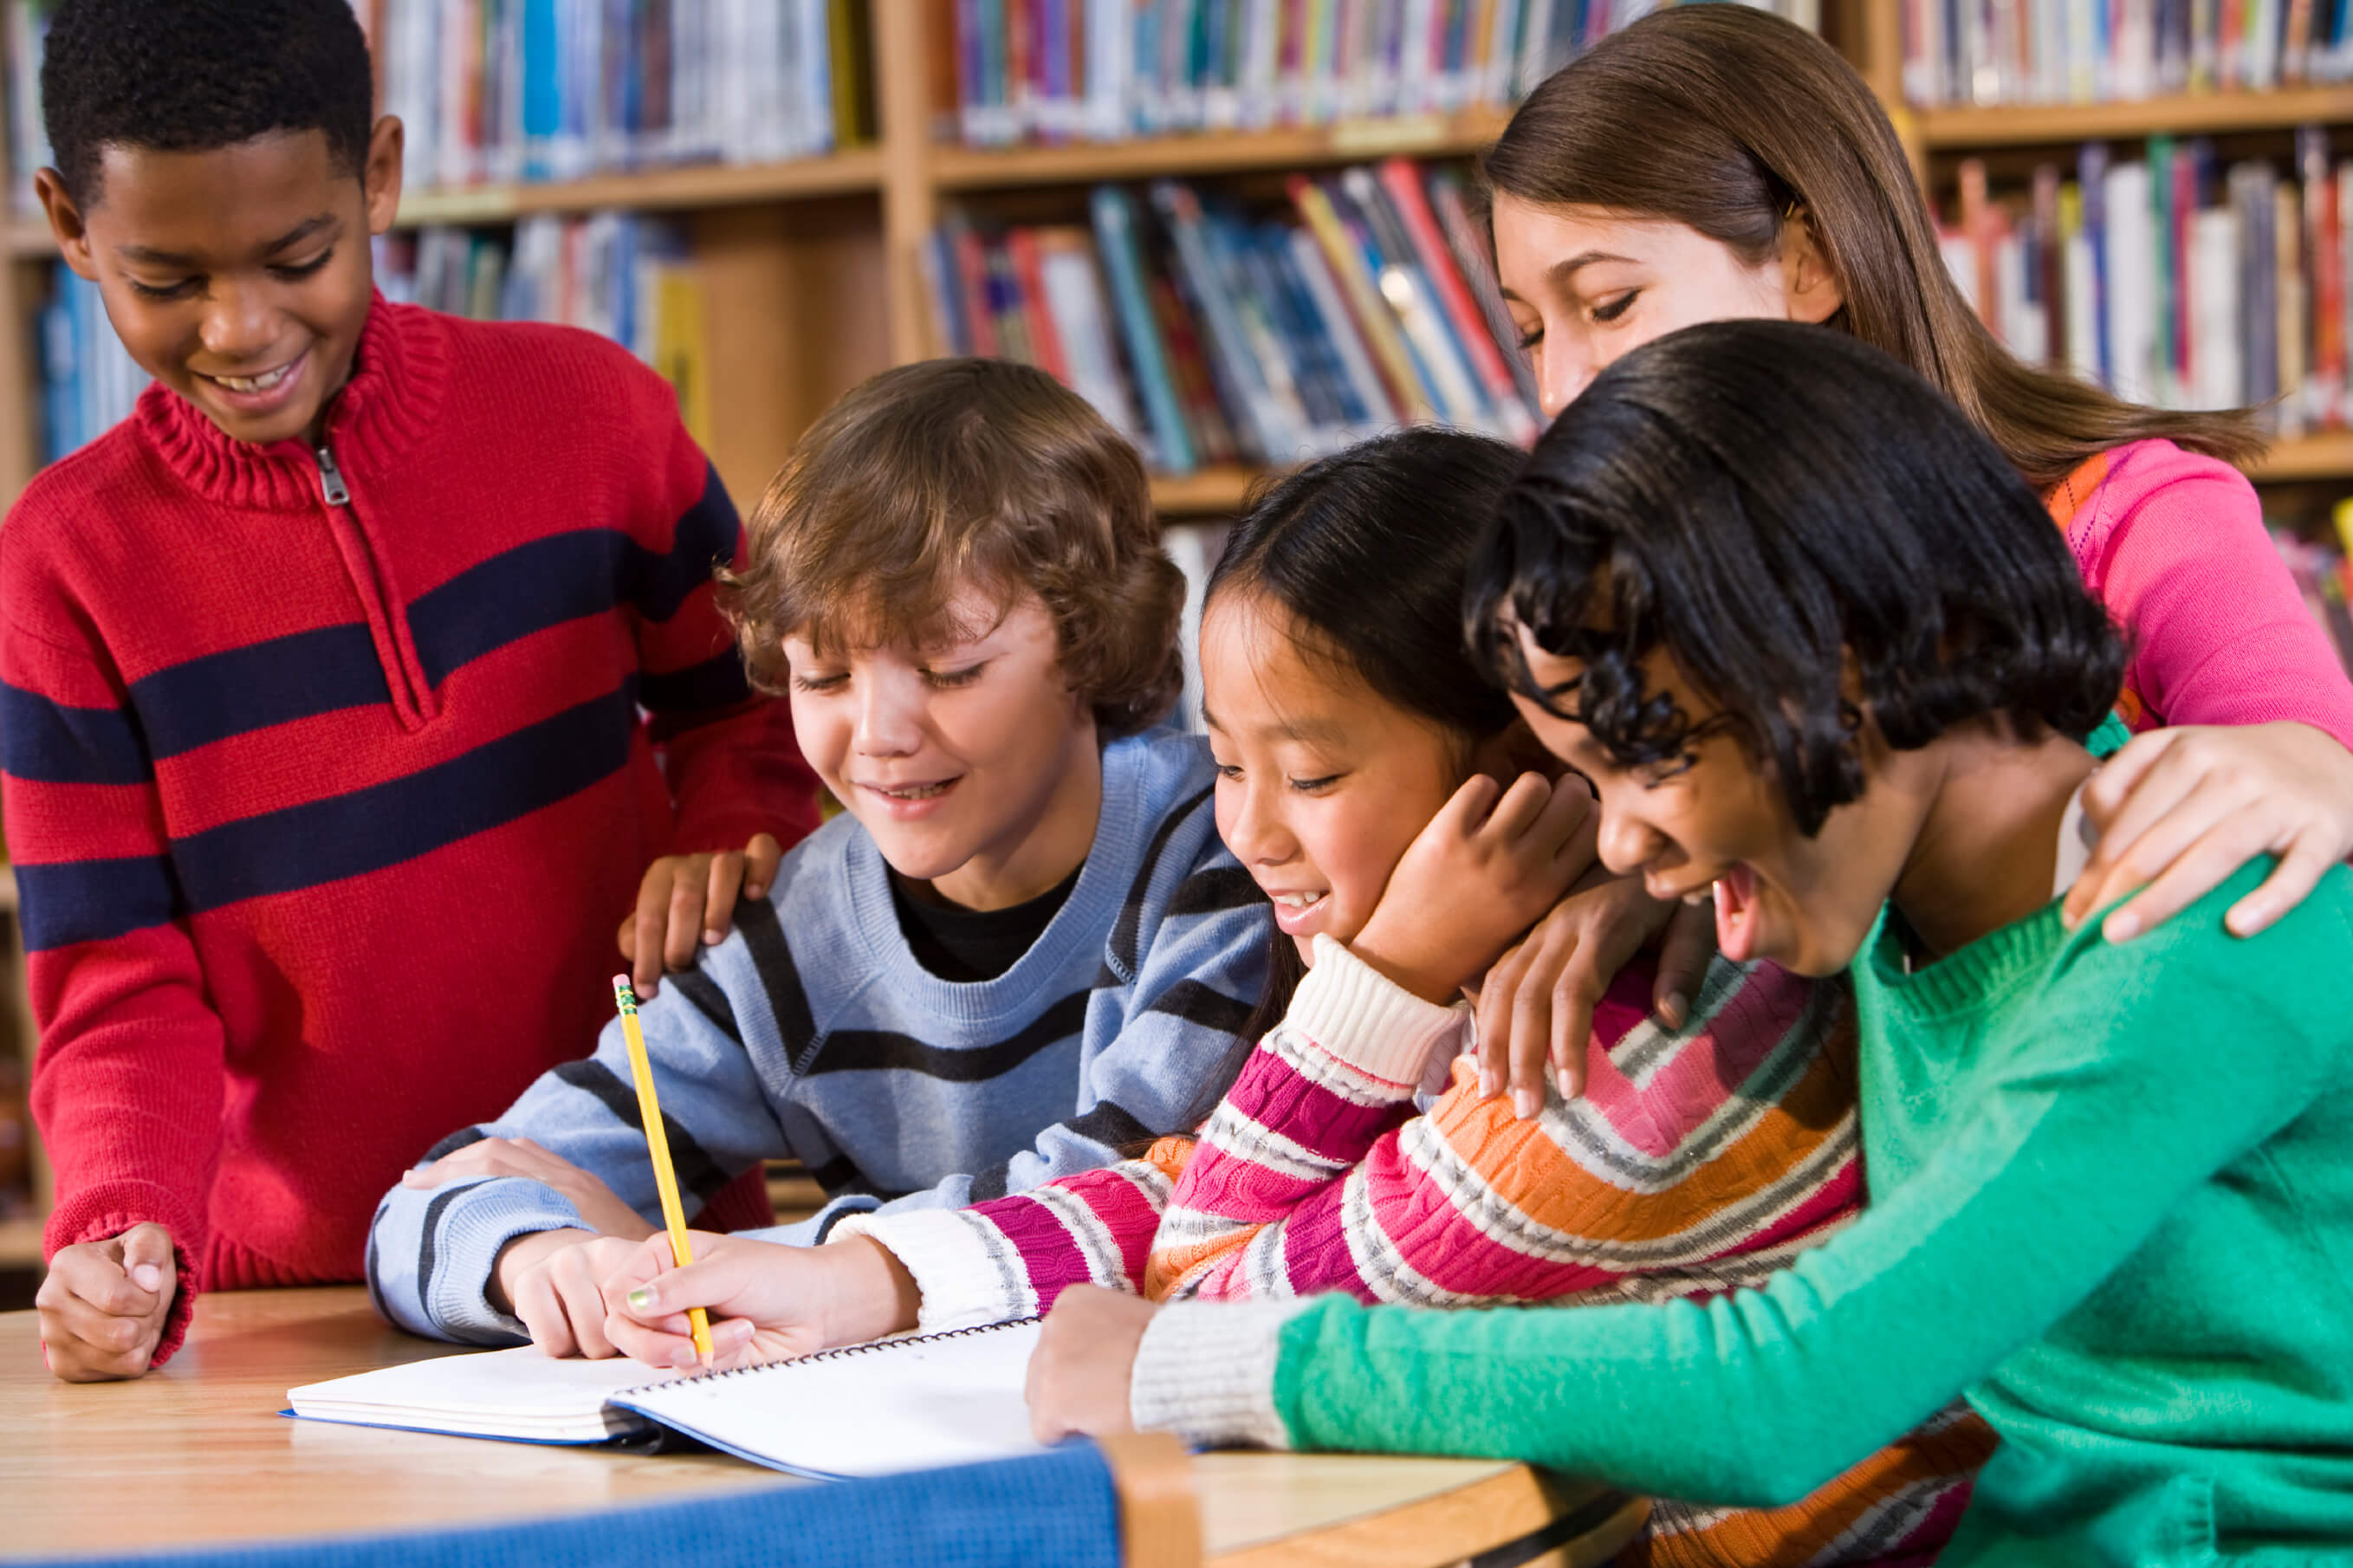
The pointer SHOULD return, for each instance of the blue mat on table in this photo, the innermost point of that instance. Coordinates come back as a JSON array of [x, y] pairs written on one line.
[[1053, 1511]]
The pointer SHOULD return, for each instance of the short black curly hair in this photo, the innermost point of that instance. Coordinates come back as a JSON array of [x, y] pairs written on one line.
[[1766, 501], [187, 76]]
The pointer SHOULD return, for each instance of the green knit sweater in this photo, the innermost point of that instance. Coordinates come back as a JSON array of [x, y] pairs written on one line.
[[2111, 1203]]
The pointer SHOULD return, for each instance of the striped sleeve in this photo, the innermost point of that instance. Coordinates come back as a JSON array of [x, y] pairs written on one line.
[[1694, 1161], [430, 1250], [1011, 1257], [128, 1081], [733, 766]]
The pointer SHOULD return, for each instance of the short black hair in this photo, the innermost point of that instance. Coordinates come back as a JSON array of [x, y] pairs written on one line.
[[187, 76], [1763, 499]]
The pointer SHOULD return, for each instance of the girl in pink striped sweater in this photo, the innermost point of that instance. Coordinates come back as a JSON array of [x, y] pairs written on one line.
[[1360, 760]]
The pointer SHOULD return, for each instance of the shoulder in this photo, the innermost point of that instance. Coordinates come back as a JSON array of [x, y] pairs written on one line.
[[812, 879], [600, 381], [74, 511], [1162, 785], [2141, 472]]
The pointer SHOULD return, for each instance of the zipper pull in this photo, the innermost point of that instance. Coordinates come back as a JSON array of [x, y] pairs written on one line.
[[331, 478]]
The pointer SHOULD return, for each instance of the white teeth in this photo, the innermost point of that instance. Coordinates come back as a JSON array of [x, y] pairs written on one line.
[[255, 382], [1298, 901], [917, 792]]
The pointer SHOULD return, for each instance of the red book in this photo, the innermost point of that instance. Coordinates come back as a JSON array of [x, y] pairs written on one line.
[[1045, 342]]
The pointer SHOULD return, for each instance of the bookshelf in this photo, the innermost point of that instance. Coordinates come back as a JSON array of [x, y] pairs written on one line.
[[812, 274]]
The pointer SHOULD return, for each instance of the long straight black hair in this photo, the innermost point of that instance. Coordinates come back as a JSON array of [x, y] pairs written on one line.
[[1365, 551]]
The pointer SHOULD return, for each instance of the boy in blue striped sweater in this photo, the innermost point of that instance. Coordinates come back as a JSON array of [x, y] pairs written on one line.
[[1020, 947]]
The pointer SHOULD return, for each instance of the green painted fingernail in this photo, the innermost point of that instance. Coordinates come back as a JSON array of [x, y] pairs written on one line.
[[642, 1299]]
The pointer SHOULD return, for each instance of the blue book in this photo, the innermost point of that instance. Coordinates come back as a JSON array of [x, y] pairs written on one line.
[[543, 78], [1116, 222], [2092, 178]]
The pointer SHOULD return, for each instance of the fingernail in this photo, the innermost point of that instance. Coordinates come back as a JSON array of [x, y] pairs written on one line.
[[147, 1277], [642, 1299], [1567, 1085], [2123, 927], [2069, 919], [1525, 1104], [1674, 1009], [1487, 1084], [711, 937], [685, 1356]]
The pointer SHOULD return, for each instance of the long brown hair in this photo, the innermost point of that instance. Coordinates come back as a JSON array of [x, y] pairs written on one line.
[[1732, 121]]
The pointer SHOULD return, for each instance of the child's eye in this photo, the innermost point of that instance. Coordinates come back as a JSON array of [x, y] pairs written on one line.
[[160, 290], [1227, 770], [947, 679], [1615, 308], [819, 683], [305, 268], [1529, 338], [1312, 787]]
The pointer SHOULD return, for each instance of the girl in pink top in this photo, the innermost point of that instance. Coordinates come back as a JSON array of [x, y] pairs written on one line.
[[1711, 162]]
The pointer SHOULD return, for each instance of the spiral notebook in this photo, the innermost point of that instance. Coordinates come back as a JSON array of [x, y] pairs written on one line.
[[875, 1409]]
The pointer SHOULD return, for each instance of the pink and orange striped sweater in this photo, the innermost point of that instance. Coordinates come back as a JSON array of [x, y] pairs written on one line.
[[1697, 1161]]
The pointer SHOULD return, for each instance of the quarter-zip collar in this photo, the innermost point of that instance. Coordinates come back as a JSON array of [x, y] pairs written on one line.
[[399, 375]]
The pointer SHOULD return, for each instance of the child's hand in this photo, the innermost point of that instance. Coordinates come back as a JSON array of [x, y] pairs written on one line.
[[104, 1302], [688, 900], [600, 1208], [550, 1278], [1085, 1361], [1488, 865], [2177, 811], [766, 1302], [1536, 1005]]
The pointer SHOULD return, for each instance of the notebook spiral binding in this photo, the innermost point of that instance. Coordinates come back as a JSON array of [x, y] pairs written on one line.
[[842, 1353]]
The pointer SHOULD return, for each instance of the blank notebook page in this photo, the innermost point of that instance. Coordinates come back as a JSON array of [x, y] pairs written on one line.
[[866, 1410], [520, 1394]]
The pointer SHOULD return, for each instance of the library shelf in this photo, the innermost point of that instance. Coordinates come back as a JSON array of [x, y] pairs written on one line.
[[958, 168], [2030, 124], [1206, 492], [693, 186], [2323, 455]]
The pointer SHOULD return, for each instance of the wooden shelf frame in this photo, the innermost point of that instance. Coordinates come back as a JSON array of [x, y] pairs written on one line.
[[1955, 130], [957, 168]]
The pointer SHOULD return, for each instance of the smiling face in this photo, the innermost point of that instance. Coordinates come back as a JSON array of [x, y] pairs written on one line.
[[1320, 782], [971, 762], [1586, 286], [239, 277], [1719, 824]]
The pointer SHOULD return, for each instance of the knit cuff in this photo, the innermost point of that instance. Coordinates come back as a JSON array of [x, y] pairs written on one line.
[[1362, 1018], [472, 1235], [968, 1273], [1206, 1371]]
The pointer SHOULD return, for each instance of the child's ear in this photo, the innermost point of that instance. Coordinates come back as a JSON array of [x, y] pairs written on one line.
[[65, 222], [1809, 281], [380, 177]]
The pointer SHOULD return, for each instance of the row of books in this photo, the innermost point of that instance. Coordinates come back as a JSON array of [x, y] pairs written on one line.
[[1208, 333], [624, 276], [89, 381], [1008, 71], [2088, 51], [2325, 577], [2173, 279], [503, 91]]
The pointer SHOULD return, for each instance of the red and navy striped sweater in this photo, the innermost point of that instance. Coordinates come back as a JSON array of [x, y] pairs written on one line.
[[327, 780]]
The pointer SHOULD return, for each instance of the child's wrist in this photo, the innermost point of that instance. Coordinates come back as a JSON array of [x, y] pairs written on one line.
[[521, 1255], [878, 1295], [1426, 975]]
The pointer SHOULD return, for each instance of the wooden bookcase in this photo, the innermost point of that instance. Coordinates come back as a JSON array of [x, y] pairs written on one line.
[[814, 279]]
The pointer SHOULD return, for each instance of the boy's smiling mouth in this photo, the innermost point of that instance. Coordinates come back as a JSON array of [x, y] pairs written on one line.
[[262, 393]]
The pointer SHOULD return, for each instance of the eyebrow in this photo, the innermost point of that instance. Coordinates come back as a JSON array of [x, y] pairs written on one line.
[[1311, 730], [286, 241]]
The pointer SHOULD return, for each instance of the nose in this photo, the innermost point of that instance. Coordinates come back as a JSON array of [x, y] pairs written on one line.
[[1626, 843], [1561, 375], [1253, 830], [890, 717], [239, 321]]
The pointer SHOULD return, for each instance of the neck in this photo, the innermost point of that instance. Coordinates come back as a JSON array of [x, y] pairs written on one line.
[[1039, 852], [1987, 847]]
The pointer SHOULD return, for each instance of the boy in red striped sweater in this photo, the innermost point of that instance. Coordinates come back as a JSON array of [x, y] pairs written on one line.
[[324, 685]]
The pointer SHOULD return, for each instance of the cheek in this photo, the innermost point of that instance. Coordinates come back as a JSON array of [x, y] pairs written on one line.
[[822, 729]]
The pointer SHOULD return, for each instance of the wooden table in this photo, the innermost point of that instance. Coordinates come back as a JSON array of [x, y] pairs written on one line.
[[197, 1453]]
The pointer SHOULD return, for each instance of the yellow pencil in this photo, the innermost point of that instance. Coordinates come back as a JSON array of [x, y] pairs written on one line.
[[658, 1144]]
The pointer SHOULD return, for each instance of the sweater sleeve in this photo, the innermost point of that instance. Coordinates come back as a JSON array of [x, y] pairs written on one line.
[[1192, 956], [2179, 555], [1703, 1161], [1011, 1257], [733, 766], [430, 1250], [2105, 1115], [129, 1077]]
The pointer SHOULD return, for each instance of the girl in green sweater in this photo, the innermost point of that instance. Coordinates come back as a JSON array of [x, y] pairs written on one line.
[[1820, 651]]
